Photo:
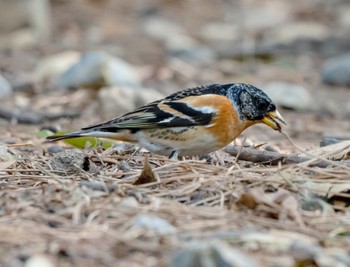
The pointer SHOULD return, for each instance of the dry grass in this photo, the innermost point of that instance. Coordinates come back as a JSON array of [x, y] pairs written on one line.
[[87, 219]]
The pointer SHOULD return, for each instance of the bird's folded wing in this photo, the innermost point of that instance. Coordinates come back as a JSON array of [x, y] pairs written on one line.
[[160, 114]]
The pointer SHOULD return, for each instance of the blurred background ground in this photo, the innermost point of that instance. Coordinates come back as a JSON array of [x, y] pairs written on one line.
[[69, 64]]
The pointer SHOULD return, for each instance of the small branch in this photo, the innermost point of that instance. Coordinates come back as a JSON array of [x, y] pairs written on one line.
[[269, 157]]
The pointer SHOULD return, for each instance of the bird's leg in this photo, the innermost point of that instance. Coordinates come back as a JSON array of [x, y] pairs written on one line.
[[174, 155]]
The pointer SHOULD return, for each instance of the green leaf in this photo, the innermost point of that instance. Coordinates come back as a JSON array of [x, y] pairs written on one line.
[[81, 142], [90, 142]]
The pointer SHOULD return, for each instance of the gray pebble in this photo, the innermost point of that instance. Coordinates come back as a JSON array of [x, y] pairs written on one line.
[[329, 141], [72, 161], [154, 224], [212, 253], [289, 95], [99, 68], [5, 87], [124, 166], [54, 149], [97, 186], [336, 70]]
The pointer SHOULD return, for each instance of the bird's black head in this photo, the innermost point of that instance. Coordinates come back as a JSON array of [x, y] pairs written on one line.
[[254, 105]]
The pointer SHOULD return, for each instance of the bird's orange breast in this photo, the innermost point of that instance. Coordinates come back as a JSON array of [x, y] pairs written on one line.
[[226, 124]]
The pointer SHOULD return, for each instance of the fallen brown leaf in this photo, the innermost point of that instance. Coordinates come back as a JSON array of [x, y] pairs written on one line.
[[147, 175], [282, 200]]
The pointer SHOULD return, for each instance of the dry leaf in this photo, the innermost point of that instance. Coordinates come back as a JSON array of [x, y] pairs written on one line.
[[147, 175], [248, 200], [327, 189], [282, 200], [336, 194], [289, 204]]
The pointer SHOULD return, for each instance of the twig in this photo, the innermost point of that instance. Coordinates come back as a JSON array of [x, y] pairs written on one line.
[[323, 160], [240, 150], [268, 157]]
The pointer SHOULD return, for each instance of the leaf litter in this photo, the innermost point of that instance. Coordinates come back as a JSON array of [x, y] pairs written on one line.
[[84, 218]]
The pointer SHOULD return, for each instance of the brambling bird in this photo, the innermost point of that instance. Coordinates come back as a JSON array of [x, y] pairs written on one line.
[[191, 122]]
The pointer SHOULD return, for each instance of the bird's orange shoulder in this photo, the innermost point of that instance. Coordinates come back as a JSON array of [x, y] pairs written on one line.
[[216, 102]]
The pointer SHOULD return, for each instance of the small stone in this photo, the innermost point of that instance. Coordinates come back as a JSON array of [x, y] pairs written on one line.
[[5, 88], [128, 205], [198, 196], [124, 166], [98, 186], [52, 66], [9, 141], [54, 149], [296, 31], [116, 100], [329, 141], [316, 204], [147, 95], [162, 28], [22, 38], [185, 47], [5, 155], [129, 202], [212, 253], [155, 224], [13, 15], [272, 148], [343, 17], [177, 41], [193, 53], [288, 95], [39, 261], [72, 161], [22, 101], [68, 161], [263, 16], [336, 70], [97, 69], [220, 31]]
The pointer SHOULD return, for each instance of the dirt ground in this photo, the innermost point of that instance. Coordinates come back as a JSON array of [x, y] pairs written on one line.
[[93, 214]]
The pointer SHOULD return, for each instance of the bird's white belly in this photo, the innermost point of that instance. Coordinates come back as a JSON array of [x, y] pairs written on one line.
[[187, 142]]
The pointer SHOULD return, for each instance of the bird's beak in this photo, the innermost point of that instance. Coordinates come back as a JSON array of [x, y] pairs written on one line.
[[273, 120]]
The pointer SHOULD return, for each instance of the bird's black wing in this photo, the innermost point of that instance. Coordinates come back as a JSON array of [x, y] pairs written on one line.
[[171, 111]]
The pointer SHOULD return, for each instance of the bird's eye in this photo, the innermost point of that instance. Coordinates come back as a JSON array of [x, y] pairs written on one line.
[[262, 105]]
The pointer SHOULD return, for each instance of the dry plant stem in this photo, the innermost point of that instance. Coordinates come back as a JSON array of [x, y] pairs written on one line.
[[313, 157], [268, 157], [20, 144], [292, 185], [240, 150], [273, 158]]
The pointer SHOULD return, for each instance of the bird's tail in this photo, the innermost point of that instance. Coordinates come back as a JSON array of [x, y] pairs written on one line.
[[54, 138]]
